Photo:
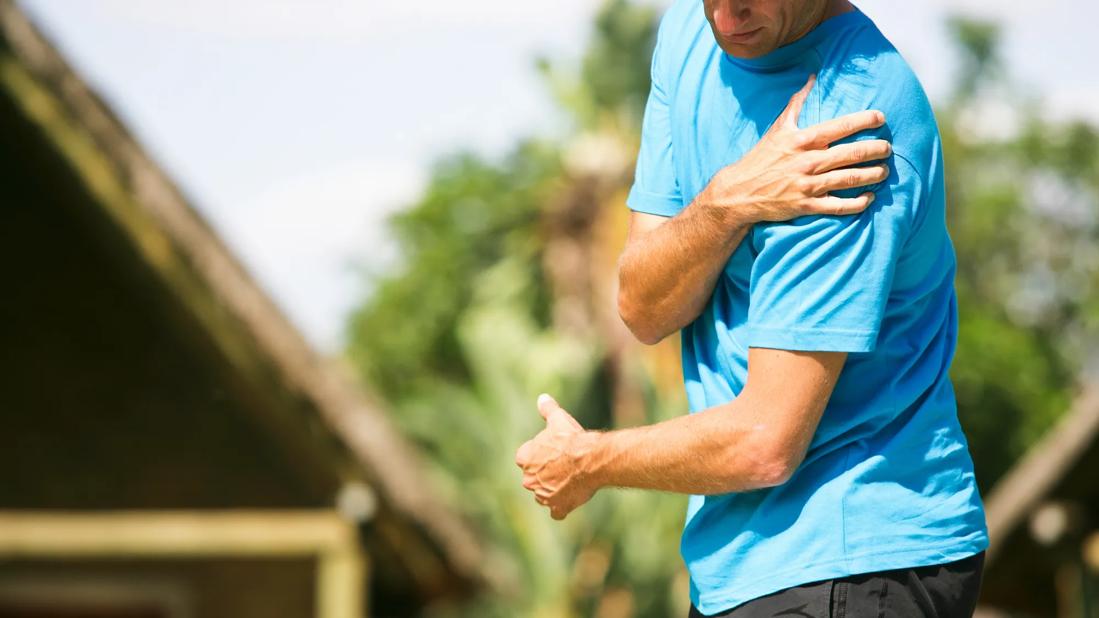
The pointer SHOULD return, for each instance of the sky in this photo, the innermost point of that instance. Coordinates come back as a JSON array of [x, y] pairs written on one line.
[[297, 126]]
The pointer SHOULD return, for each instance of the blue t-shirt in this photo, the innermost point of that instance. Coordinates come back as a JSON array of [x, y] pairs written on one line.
[[888, 481]]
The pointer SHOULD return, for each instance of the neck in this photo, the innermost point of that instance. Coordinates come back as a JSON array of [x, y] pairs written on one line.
[[836, 7], [830, 9]]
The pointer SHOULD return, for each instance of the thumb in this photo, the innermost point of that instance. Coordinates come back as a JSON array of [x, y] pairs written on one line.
[[547, 405], [789, 117], [553, 413]]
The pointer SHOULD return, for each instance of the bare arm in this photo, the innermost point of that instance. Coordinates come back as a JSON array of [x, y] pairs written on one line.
[[669, 266], [757, 440]]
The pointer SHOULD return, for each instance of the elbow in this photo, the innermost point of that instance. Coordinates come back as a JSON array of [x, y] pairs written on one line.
[[766, 462], [637, 320], [775, 471]]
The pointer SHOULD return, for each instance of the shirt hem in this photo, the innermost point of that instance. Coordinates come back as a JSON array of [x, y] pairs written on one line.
[[840, 567], [654, 203], [812, 339]]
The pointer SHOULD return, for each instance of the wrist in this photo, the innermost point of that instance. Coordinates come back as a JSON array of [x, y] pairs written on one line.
[[586, 450], [719, 202]]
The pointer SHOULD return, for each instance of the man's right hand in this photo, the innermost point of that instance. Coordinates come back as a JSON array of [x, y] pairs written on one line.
[[791, 171]]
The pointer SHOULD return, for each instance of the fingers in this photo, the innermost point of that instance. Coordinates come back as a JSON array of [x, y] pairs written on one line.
[[532, 484], [789, 116], [823, 134], [853, 153], [849, 178], [832, 205], [557, 511]]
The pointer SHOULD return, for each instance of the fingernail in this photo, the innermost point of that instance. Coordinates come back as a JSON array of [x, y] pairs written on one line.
[[544, 398]]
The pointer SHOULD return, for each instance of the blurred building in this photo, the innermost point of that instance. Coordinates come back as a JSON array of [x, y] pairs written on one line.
[[170, 445], [1043, 520]]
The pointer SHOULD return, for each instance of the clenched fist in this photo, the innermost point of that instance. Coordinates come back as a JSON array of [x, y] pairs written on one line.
[[551, 461]]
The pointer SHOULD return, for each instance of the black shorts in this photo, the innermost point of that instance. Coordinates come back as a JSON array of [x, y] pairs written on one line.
[[937, 591]]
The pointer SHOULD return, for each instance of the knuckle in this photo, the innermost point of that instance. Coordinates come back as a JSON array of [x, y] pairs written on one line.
[[801, 139], [809, 163]]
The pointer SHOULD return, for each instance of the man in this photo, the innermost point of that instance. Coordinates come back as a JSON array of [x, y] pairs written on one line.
[[827, 470]]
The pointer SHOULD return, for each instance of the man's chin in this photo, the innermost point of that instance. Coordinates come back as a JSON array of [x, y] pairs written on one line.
[[745, 53]]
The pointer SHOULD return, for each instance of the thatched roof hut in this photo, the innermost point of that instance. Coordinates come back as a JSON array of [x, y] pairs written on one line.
[[161, 415]]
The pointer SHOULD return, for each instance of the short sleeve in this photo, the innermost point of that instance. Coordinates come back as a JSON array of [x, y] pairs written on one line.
[[655, 189], [821, 283]]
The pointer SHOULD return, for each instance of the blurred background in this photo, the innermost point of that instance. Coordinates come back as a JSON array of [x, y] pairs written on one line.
[[284, 279]]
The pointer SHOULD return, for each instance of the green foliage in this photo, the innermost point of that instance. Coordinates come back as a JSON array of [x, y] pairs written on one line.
[[472, 431], [978, 40], [1023, 206], [611, 83], [466, 345], [472, 214], [612, 71], [458, 341]]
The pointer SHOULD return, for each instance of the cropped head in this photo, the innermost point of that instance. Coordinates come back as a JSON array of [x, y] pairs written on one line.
[[752, 28]]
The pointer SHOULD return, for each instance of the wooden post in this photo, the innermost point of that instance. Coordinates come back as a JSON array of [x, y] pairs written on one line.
[[323, 535], [1091, 551], [340, 577]]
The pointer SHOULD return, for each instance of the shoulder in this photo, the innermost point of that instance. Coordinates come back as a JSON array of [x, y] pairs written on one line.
[[680, 31], [860, 69], [681, 17]]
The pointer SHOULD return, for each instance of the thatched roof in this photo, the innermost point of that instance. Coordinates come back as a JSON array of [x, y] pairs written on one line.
[[318, 411]]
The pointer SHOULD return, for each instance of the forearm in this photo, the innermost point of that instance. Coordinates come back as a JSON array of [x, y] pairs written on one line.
[[667, 276], [723, 449]]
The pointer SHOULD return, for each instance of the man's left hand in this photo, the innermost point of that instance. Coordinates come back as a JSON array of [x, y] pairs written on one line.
[[550, 461]]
